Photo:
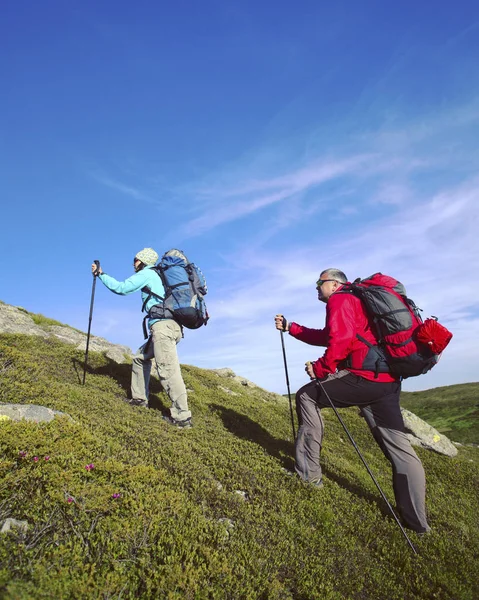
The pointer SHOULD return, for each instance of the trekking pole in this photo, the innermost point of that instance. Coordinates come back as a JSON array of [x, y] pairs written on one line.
[[367, 466], [95, 275], [287, 378]]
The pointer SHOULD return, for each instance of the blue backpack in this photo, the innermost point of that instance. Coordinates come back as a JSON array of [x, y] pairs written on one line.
[[185, 288]]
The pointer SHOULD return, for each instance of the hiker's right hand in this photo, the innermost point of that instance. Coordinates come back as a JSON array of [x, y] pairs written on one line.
[[96, 270], [281, 323], [309, 368]]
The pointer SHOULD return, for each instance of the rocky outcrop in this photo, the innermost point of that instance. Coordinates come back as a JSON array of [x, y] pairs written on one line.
[[16, 320], [422, 434], [115, 352]]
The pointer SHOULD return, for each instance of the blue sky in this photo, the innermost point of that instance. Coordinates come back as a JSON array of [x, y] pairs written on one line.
[[265, 139]]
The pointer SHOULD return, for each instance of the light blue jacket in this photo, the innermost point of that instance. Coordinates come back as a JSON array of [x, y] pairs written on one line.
[[145, 277]]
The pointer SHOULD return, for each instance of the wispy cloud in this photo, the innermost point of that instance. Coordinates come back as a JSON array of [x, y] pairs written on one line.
[[128, 190], [230, 203], [382, 161]]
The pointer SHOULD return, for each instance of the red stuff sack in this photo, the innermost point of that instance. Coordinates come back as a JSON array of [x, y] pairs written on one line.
[[433, 334]]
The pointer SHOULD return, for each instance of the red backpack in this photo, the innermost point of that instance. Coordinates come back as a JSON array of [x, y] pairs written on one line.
[[408, 345]]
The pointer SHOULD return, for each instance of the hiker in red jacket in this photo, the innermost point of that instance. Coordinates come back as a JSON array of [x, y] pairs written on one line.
[[343, 371]]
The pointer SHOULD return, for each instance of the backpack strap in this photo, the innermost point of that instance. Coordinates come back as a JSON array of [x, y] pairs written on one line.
[[150, 294], [145, 329], [146, 290], [374, 358], [175, 285]]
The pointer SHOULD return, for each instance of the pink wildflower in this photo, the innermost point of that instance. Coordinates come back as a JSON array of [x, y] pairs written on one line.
[[35, 458], [47, 457], [22, 453], [116, 495], [90, 467], [69, 499]]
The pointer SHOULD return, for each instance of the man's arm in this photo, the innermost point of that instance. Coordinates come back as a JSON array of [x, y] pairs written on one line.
[[341, 326], [314, 337]]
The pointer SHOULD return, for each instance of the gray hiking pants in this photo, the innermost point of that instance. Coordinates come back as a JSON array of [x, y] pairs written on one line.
[[379, 404], [161, 346]]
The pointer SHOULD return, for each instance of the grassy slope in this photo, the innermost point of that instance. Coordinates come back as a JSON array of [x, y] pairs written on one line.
[[166, 536], [452, 410]]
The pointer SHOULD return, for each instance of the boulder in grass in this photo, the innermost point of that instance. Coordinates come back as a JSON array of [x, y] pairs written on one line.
[[29, 412], [12, 524], [422, 434], [229, 373]]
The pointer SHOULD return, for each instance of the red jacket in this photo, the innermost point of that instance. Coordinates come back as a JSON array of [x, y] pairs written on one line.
[[345, 317]]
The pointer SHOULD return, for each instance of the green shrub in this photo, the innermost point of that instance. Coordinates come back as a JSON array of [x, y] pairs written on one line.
[[40, 319]]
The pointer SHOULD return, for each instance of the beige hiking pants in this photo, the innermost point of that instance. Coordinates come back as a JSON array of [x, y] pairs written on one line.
[[161, 346]]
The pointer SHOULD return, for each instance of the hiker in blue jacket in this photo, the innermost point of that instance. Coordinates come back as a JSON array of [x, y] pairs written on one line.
[[161, 345]]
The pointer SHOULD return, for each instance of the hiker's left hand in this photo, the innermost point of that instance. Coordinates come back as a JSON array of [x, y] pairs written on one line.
[[96, 270], [281, 323], [309, 370]]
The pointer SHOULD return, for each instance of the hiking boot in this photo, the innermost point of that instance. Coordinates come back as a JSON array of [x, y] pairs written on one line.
[[185, 424], [420, 532], [136, 402], [317, 482]]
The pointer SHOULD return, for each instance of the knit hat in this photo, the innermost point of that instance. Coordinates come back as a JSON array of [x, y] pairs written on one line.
[[147, 256]]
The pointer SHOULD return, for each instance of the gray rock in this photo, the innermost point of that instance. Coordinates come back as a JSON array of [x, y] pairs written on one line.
[[422, 434], [246, 382], [229, 523], [241, 494], [224, 372], [29, 412], [67, 334], [115, 352], [228, 391], [16, 320], [227, 372], [10, 524]]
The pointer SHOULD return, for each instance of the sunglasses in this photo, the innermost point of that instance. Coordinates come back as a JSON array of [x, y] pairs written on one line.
[[320, 282]]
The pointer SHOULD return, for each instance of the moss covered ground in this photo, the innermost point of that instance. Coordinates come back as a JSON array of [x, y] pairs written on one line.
[[121, 505]]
